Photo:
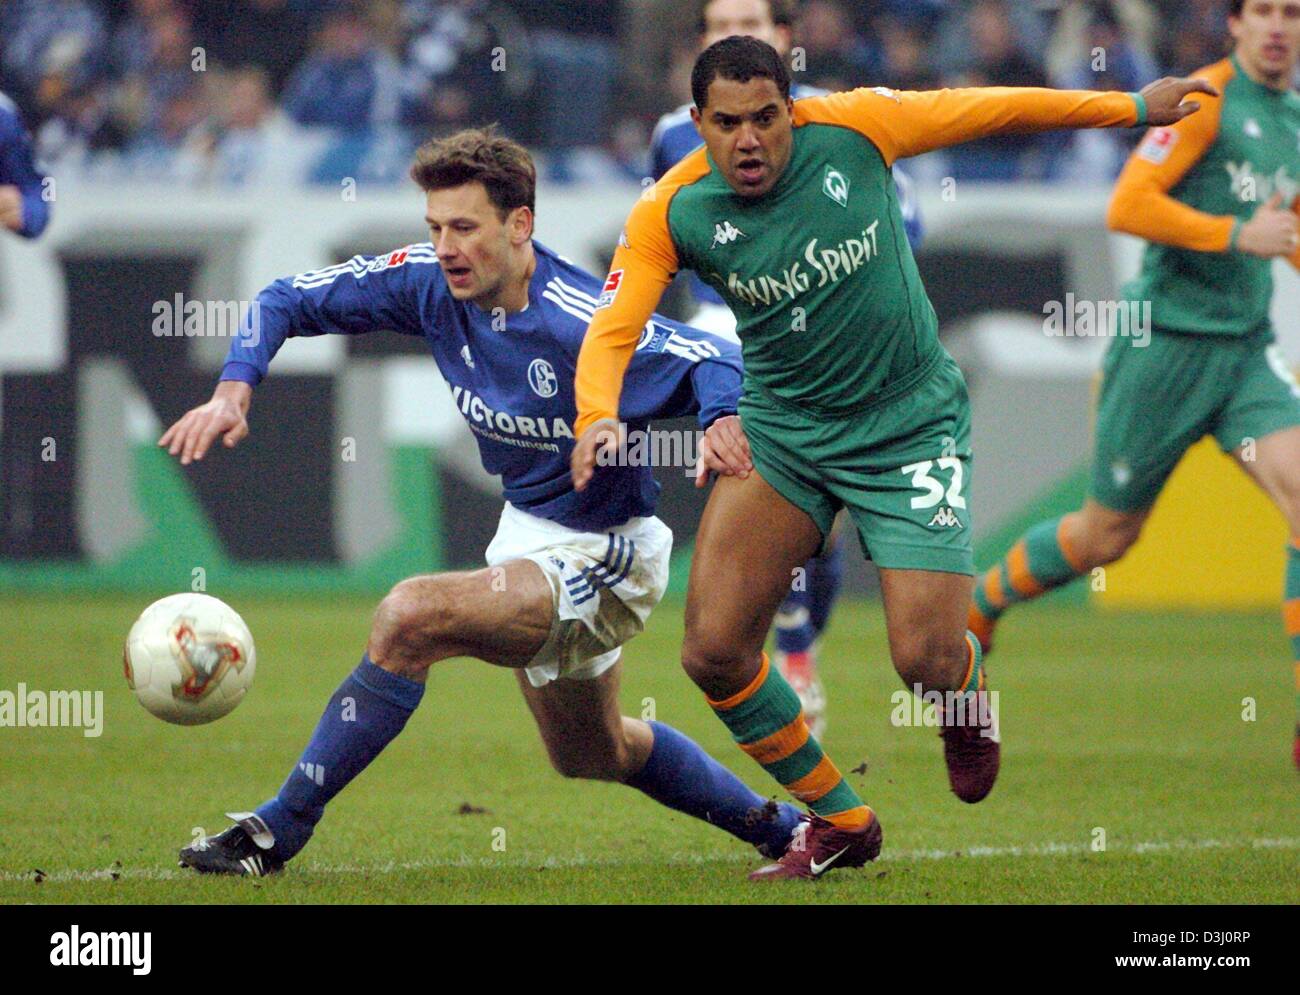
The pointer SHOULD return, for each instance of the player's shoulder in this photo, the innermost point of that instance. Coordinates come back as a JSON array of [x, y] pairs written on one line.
[[561, 281], [851, 109], [671, 123], [415, 263]]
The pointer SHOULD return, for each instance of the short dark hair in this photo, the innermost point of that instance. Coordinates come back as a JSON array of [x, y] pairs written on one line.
[[1236, 7], [782, 12], [480, 155], [737, 59]]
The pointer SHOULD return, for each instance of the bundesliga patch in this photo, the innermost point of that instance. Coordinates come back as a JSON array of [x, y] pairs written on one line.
[[1155, 148], [610, 290], [395, 258]]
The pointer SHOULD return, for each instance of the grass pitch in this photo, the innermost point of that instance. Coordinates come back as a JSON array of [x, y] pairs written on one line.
[[1129, 726]]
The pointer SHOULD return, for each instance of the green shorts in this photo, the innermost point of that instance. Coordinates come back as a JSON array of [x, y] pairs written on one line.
[[1157, 401], [902, 468]]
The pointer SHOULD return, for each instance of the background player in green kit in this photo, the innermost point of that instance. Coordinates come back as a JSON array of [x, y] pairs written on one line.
[[1216, 196], [849, 399]]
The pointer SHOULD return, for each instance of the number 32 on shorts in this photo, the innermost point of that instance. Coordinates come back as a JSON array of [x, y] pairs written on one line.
[[934, 489]]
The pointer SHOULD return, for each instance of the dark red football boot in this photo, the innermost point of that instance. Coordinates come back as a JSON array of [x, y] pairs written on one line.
[[818, 846], [971, 747]]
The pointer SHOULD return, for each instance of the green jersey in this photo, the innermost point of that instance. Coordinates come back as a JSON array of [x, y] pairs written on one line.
[[1189, 188], [831, 312]]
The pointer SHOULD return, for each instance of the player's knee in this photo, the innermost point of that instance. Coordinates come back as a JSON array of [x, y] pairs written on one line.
[[587, 764], [931, 661], [1114, 540], [711, 661], [408, 622]]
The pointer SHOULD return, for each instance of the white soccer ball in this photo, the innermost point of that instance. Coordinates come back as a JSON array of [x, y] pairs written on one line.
[[189, 658]]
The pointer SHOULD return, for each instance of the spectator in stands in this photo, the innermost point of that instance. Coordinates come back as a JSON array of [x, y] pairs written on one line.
[[905, 60], [838, 58], [253, 142], [270, 34], [1198, 39], [575, 48], [64, 39], [467, 63], [996, 59], [348, 81]]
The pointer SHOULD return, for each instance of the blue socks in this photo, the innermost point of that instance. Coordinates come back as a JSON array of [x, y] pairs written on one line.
[[682, 776], [372, 706], [804, 613], [366, 713]]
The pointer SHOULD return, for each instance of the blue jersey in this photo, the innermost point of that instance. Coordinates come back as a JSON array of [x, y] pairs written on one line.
[[513, 383], [675, 137], [18, 169]]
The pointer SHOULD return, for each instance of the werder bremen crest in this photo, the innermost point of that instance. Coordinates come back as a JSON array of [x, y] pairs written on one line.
[[836, 186]]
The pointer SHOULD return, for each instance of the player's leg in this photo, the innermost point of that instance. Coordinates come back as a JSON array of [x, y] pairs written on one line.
[[587, 736], [1050, 555], [800, 622], [1156, 400], [501, 614], [739, 575], [1261, 428], [1276, 468]]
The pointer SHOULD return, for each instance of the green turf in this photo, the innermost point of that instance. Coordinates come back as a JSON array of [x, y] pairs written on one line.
[[1130, 724]]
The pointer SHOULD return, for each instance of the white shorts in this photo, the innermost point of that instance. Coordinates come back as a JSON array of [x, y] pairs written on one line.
[[605, 584], [716, 318]]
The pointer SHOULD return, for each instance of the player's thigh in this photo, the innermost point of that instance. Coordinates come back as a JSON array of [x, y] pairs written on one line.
[[750, 542], [1155, 402], [1261, 428], [1275, 466], [579, 721], [500, 614]]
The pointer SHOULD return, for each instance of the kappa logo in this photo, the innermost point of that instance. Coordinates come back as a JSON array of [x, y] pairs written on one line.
[[610, 290], [724, 233], [1252, 128], [836, 186], [542, 378], [945, 518], [465, 355], [1121, 472]]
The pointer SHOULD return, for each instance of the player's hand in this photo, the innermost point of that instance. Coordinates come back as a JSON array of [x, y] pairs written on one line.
[[225, 415], [11, 207], [600, 437], [725, 450], [1165, 96], [1271, 231]]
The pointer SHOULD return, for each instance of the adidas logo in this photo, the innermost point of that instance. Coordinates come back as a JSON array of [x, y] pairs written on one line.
[[254, 866], [945, 518], [724, 233], [314, 772]]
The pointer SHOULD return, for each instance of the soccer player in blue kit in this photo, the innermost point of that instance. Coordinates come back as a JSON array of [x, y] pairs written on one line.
[[805, 612], [24, 208], [570, 576]]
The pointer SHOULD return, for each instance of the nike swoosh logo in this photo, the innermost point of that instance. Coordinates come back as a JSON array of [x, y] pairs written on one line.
[[817, 868]]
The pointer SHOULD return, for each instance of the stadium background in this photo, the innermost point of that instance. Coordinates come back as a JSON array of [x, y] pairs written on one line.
[[202, 149]]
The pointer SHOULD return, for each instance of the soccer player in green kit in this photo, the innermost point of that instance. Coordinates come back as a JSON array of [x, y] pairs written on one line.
[[791, 213], [1216, 197]]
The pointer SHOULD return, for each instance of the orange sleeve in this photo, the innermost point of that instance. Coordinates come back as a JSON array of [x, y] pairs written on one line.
[[1141, 204], [903, 123], [644, 265]]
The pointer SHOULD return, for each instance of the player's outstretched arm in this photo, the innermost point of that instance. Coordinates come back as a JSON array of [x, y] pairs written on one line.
[[643, 266], [226, 415], [906, 123]]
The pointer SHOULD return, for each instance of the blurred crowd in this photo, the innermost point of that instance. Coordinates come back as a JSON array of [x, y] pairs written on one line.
[[239, 92]]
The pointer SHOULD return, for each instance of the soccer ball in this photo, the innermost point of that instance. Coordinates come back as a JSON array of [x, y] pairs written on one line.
[[189, 658]]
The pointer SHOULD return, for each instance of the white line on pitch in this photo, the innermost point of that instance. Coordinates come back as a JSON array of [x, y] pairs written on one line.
[[552, 863]]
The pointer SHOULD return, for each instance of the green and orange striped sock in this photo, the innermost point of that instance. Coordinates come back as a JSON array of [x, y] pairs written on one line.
[[1037, 563], [1291, 616], [767, 722]]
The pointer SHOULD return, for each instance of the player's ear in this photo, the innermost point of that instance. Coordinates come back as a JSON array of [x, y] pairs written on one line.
[[696, 118], [520, 225]]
